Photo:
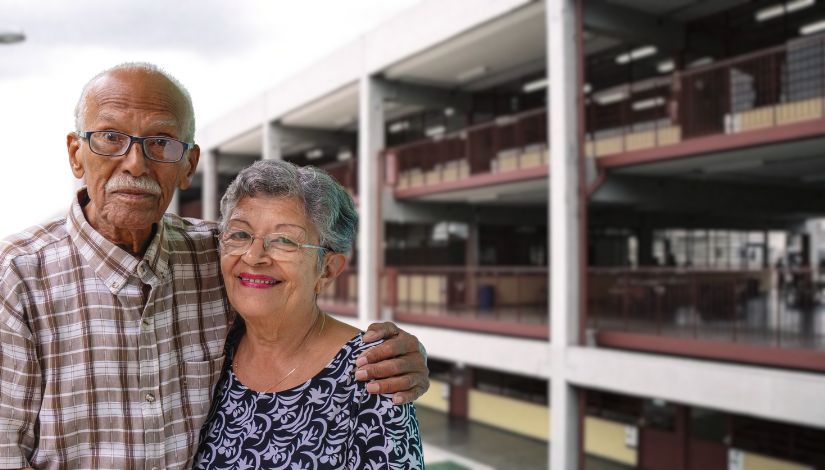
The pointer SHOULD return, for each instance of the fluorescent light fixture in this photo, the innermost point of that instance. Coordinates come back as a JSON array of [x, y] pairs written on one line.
[[535, 85], [434, 131], [770, 12], [611, 97], [315, 154], [666, 66], [707, 60], [399, 126], [473, 73], [449, 112], [587, 88], [636, 54], [344, 155], [779, 9], [796, 5], [648, 103], [812, 28]]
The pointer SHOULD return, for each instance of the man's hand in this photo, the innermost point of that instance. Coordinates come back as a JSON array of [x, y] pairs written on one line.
[[397, 366]]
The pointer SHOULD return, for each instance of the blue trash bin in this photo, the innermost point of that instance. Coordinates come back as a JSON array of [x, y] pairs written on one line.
[[486, 297]]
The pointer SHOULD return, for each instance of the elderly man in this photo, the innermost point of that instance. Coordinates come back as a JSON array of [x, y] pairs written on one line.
[[113, 319]]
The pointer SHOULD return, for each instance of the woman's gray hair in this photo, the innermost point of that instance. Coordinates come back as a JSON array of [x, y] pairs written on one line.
[[328, 206], [189, 118]]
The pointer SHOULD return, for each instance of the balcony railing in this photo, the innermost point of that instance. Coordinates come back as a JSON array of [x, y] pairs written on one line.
[[341, 297], [506, 300], [766, 89], [346, 173], [759, 311], [509, 143]]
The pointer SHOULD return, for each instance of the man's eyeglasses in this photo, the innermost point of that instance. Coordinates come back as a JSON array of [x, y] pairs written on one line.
[[279, 246], [115, 144]]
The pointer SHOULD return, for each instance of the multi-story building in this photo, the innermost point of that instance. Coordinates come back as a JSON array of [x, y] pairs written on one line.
[[604, 212]]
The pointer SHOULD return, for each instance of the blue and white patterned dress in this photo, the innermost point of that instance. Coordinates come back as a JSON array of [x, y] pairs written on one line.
[[330, 421]]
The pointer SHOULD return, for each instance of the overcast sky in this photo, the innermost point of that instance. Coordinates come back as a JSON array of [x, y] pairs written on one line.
[[223, 51]]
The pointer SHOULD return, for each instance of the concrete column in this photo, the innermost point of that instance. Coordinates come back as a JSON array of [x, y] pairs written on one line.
[[271, 142], [370, 227], [209, 195], [565, 216]]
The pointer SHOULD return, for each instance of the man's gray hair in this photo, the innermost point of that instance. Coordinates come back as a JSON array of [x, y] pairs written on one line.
[[189, 118], [327, 205]]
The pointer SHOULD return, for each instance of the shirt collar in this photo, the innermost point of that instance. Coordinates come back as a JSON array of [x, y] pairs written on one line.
[[112, 264]]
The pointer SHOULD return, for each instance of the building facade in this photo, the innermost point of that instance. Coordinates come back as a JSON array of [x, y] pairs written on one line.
[[599, 215]]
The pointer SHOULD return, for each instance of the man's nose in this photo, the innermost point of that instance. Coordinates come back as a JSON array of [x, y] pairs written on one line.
[[134, 161]]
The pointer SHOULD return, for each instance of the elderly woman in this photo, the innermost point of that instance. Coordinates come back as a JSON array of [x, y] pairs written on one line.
[[288, 397]]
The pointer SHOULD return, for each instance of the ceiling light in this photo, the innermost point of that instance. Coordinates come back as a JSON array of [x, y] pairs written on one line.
[[636, 54], [770, 12], [666, 66], [473, 73], [648, 103], [434, 131], [344, 155], [797, 5], [587, 88], [535, 85], [315, 154], [611, 97], [399, 126], [449, 112], [11, 36], [812, 28]]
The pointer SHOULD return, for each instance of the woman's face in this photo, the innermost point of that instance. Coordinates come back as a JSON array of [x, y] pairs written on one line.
[[260, 283]]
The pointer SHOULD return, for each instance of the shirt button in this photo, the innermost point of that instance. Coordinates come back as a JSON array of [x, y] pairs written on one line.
[[150, 398]]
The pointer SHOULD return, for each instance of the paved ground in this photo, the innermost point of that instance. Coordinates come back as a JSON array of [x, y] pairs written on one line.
[[459, 444]]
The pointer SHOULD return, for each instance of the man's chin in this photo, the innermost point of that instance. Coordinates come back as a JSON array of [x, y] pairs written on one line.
[[140, 215]]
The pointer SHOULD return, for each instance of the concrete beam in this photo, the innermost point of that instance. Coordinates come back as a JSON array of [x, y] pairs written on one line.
[[428, 97], [777, 395], [298, 135], [633, 26], [209, 190]]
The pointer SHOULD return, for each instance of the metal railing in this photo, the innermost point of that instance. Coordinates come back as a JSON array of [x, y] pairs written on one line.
[[766, 308], [772, 87], [346, 173], [508, 300], [506, 144]]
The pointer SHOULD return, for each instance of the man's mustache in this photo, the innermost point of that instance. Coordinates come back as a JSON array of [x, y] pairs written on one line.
[[142, 183]]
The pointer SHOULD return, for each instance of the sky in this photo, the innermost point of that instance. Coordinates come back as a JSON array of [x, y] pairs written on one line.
[[223, 52]]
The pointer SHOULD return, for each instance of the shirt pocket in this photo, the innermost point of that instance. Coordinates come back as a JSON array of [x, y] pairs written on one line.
[[199, 381]]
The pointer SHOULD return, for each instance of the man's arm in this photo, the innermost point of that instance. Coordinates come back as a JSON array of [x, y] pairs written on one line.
[[397, 366], [19, 378]]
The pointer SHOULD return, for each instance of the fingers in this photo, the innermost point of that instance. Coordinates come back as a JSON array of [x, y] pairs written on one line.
[[405, 388], [388, 350], [382, 330]]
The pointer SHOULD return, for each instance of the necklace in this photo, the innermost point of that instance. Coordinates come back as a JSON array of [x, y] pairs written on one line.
[[236, 366]]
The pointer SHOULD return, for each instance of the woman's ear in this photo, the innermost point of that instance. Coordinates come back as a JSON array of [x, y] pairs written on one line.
[[334, 265]]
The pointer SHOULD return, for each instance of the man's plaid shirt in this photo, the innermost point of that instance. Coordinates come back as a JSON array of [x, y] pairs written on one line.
[[92, 374]]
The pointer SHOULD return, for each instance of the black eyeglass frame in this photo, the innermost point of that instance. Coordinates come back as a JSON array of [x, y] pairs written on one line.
[[140, 140]]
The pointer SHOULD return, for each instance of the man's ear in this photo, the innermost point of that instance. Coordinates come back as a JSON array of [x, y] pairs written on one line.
[[75, 159], [334, 265], [191, 161]]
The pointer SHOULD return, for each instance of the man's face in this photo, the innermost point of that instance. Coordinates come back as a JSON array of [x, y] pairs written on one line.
[[138, 103]]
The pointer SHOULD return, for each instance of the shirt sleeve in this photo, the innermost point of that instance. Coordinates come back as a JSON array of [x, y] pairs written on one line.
[[384, 435], [20, 379]]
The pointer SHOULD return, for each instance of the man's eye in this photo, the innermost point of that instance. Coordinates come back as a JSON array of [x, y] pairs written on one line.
[[158, 142], [112, 136]]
